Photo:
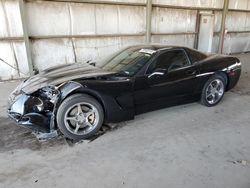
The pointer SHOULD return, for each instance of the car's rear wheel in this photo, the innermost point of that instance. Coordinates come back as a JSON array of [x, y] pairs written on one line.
[[79, 117], [213, 91]]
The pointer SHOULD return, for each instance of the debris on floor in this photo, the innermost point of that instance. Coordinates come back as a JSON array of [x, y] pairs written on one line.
[[105, 128], [242, 162]]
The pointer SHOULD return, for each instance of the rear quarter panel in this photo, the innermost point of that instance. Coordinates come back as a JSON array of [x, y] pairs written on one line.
[[218, 64]]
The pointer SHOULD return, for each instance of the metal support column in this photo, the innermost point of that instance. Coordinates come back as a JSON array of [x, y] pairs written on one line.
[[222, 28], [197, 29], [148, 20], [26, 36]]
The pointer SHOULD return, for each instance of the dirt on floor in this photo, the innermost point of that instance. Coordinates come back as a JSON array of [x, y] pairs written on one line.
[[13, 138]]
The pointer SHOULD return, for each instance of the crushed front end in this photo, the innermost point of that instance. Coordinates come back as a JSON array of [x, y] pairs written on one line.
[[34, 111]]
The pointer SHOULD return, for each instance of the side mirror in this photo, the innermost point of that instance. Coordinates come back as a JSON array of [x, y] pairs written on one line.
[[158, 71]]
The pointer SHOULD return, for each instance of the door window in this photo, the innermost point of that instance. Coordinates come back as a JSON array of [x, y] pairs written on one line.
[[170, 60]]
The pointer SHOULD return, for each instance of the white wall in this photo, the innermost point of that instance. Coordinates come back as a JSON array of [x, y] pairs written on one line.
[[13, 53], [238, 21], [81, 19], [192, 3]]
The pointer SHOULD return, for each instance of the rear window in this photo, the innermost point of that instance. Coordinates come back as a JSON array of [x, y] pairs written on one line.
[[195, 55]]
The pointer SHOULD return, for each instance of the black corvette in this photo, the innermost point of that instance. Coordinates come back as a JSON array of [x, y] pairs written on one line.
[[77, 99]]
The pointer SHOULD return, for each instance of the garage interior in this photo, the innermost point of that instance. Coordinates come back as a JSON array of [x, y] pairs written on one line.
[[188, 145]]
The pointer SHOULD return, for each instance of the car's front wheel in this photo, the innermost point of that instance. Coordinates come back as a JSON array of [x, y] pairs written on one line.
[[79, 117], [213, 90]]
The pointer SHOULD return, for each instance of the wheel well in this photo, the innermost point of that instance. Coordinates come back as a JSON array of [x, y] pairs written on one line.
[[91, 94], [225, 76]]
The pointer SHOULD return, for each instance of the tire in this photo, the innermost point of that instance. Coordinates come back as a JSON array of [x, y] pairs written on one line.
[[212, 93], [79, 117]]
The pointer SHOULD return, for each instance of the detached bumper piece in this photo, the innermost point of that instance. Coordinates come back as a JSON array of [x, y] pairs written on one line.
[[25, 111]]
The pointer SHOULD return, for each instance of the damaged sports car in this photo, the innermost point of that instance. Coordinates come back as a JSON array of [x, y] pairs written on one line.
[[75, 100]]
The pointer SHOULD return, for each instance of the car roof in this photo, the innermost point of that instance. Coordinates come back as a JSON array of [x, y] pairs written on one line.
[[155, 46]]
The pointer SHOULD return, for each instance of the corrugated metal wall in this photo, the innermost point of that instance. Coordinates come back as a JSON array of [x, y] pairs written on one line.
[[12, 52], [68, 32], [99, 22]]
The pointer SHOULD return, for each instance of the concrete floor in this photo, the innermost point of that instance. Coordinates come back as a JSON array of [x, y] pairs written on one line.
[[183, 146]]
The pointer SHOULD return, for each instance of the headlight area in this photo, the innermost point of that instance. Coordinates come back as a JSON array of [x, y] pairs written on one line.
[[35, 111], [47, 97]]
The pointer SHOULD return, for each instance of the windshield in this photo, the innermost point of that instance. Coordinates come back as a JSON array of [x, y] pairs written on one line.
[[129, 61]]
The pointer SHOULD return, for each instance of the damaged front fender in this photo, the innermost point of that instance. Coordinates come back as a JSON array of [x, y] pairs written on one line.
[[67, 88], [37, 111]]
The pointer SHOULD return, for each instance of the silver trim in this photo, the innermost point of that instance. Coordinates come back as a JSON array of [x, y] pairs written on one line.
[[235, 66], [204, 74]]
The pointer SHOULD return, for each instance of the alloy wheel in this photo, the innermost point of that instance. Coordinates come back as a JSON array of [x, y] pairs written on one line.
[[81, 118], [214, 91]]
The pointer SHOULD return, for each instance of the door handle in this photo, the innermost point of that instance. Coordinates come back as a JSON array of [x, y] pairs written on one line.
[[191, 72], [156, 73]]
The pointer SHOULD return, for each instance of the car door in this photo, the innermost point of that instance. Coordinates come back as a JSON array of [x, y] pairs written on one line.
[[169, 80]]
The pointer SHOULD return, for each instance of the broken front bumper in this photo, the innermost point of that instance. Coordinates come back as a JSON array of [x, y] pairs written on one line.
[[27, 111]]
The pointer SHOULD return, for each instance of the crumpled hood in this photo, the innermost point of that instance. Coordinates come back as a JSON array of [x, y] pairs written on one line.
[[57, 75]]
